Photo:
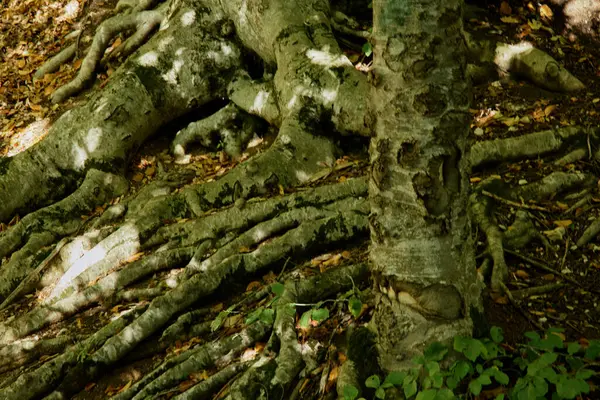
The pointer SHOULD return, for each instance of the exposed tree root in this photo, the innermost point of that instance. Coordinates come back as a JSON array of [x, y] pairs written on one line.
[[30, 350], [166, 252], [43, 227], [177, 369], [229, 128], [590, 233], [536, 290], [480, 210], [531, 145], [523, 231], [256, 98], [55, 62], [271, 374], [211, 385], [34, 384], [544, 267], [489, 59], [309, 213], [102, 133], [143, 21], [290, 357], [305, 221], [97, 189]]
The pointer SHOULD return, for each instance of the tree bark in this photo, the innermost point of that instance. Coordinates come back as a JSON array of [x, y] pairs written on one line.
[[421, 250]]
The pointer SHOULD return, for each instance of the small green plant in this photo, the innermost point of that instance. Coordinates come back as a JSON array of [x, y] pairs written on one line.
[[367, 49], [265, 313], [318, 314], [549, 365], [546, 366], [315, 314]]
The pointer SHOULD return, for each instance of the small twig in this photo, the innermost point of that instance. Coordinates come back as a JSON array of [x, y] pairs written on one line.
[[34, 276], [572, 325], [82, 24], [537, 290], [283, 269], [513, 203], [516, 305], [579, 203], [564, 258], [546, 268]]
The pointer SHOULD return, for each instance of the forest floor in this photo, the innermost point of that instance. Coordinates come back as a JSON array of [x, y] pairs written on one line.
[[31, 32]]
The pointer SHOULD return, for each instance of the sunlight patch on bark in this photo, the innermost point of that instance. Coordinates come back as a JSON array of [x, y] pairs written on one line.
[[260, 101], [164, 43], [171, 75], [329, 95], [188, 18], [292, 102], [81, 153], [149, 59], [327, 59], [302, 176]]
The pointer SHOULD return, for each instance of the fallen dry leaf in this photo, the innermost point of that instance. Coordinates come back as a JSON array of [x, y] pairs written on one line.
[[505, 8], [253, 286], [127, 386], [522, 274], [564, 223], [549, 110], [546, 12]]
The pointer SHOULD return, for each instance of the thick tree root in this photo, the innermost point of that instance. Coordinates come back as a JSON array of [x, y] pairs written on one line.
[[188, 326], [43, 227], [480, 211], [140, 36], [103, 132], [236, 218], [256, 98], [290, 359], [125, 242], [177, 369], [522, 231], [28, 351], [526, 146], [271, 376], [103, 291], [208, 387], [34, 384], [553, 184], [305, 221], [64, 217], [229, 128], [490, 59]]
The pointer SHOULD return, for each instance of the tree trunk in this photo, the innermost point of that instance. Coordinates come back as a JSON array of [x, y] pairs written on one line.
[[421, 249]]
